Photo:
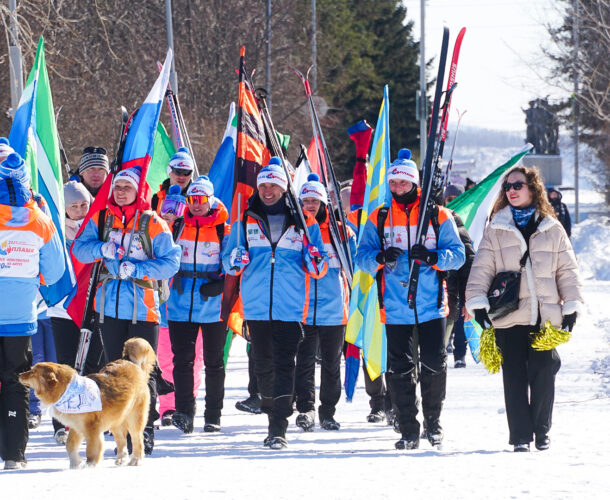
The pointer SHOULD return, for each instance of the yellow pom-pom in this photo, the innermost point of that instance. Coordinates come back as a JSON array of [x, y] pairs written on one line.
[[490, 353], [549, 337]]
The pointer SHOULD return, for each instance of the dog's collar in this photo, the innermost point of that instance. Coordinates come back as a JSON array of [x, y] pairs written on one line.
[[81, 396]]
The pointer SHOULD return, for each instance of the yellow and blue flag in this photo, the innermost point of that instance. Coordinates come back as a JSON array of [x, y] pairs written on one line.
[[364, 327]]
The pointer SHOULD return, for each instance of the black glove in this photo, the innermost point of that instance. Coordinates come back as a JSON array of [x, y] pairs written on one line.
[[389, 255], [422, 254], [212, 288], [163, 386], [481, 317], [568, 321]]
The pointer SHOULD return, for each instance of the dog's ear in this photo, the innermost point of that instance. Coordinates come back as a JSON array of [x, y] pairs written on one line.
[[50, 379]]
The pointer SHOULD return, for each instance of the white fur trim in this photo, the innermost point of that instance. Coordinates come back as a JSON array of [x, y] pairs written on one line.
[[571, 306], [477, 303]]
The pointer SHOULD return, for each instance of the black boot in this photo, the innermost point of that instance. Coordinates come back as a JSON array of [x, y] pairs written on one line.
[[276, 440], [250, 405], [306, 421], [149, 439], [433, 388], [183, 421], [163, 386]]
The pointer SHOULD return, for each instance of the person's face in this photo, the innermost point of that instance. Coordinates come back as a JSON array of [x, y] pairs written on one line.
[[197, 206], [180, 176], [449, 199], [270, 193], [124, 193], [518, 198], [400, 186], [553, 195], [312, 205], [94, 177], [77, 210]]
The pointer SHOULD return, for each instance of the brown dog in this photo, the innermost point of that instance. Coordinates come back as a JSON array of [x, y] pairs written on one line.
[[124, 402]]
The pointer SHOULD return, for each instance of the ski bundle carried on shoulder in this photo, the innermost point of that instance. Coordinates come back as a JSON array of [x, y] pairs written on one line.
[[432, 175], [336, 214]]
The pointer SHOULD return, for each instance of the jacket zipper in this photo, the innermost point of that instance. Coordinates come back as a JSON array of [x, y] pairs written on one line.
[[194, 273]]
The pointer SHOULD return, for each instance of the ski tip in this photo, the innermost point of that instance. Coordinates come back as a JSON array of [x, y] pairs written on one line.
[[404, 154]]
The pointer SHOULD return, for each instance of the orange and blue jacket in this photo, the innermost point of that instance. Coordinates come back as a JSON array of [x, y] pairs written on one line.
[[273, 283], [200, 263], [394, 287], [329, 295], [120, 296], [31, 253]]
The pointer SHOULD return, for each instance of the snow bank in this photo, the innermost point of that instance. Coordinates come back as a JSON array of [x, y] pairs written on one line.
[[591, 241]]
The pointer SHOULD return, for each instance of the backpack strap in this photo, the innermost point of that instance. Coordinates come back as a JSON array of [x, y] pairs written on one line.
[[220, 232]]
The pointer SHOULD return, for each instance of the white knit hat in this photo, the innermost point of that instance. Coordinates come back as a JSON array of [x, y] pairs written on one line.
[[202, 186], [404, 168], [131, 175], [313, 188], [273, 174]]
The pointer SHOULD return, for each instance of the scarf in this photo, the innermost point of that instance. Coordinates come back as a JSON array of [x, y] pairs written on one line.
[[81, 396], [521, 216]]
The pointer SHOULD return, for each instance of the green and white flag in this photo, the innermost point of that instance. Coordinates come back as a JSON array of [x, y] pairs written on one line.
[[475, 205]]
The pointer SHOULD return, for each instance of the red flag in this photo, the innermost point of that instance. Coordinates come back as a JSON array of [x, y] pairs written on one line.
[[312, 155], [361, 134]]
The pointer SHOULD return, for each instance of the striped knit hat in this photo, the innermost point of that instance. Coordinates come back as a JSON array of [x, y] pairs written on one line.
[[93, 158]]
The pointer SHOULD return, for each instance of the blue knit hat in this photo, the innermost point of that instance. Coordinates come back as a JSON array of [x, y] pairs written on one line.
[[182, 159], [174, 203], [313, 188], [403, 167], [273, 174], [14, 169]]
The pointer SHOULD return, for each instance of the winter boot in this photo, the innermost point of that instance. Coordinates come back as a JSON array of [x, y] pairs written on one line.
[[306, 421], [61, 436], [433, 388], [329, 424], [434, 433], [149, 439], [460, 363], [212, 425], [408, 442], [376, 416], [250, 405], [34, 421], [275, 443], [543, 442], [166, 418], [183, 421], [522, 447], [14, 465], [276, 440]]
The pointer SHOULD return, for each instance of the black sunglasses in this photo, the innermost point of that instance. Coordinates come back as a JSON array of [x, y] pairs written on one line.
[[515, 185], [94, 150], [183, 172]]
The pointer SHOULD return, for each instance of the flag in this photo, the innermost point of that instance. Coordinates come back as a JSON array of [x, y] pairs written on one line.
[[138, 150], [222, 171], [474, 206], [314, 160], [251, 155], [300, 176], [364, 327], [163, 150], [34, 136], [360, 133]]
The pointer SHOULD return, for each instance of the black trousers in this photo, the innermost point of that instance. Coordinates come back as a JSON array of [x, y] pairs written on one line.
[[115, 332], [401, 373], [252, 382], [15, 358], [274, 347], [183, 336], [379, 395], [524, 371], [331, 341]]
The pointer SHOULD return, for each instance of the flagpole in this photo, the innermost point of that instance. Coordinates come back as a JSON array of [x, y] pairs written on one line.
[[15, 66], [173, 78]]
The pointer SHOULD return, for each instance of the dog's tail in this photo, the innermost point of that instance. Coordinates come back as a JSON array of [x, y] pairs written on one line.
[[140, 352]]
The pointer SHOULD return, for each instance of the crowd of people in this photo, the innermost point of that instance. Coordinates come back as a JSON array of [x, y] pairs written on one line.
[[163, 279]]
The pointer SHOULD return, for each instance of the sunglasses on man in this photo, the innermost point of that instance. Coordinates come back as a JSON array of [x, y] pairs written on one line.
[[197, 199], [514, 185], [182, 172]]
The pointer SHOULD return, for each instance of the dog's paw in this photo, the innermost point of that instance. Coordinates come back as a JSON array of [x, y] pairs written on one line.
[[90, 465], [121, 459], [135, 461], [77, 464]]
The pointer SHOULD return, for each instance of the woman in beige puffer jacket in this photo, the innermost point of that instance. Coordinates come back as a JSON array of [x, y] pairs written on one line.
[[549, 290]]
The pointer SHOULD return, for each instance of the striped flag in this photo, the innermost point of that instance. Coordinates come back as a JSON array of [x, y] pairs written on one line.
[[222, 170], [475, 205], [251, 155], [34, 136], [364, 327]]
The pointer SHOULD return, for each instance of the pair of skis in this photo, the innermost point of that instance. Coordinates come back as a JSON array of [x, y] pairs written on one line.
[[336, 214], [432, 174]]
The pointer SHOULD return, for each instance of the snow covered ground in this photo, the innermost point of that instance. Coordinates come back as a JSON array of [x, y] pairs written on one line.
[[360, 461]]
